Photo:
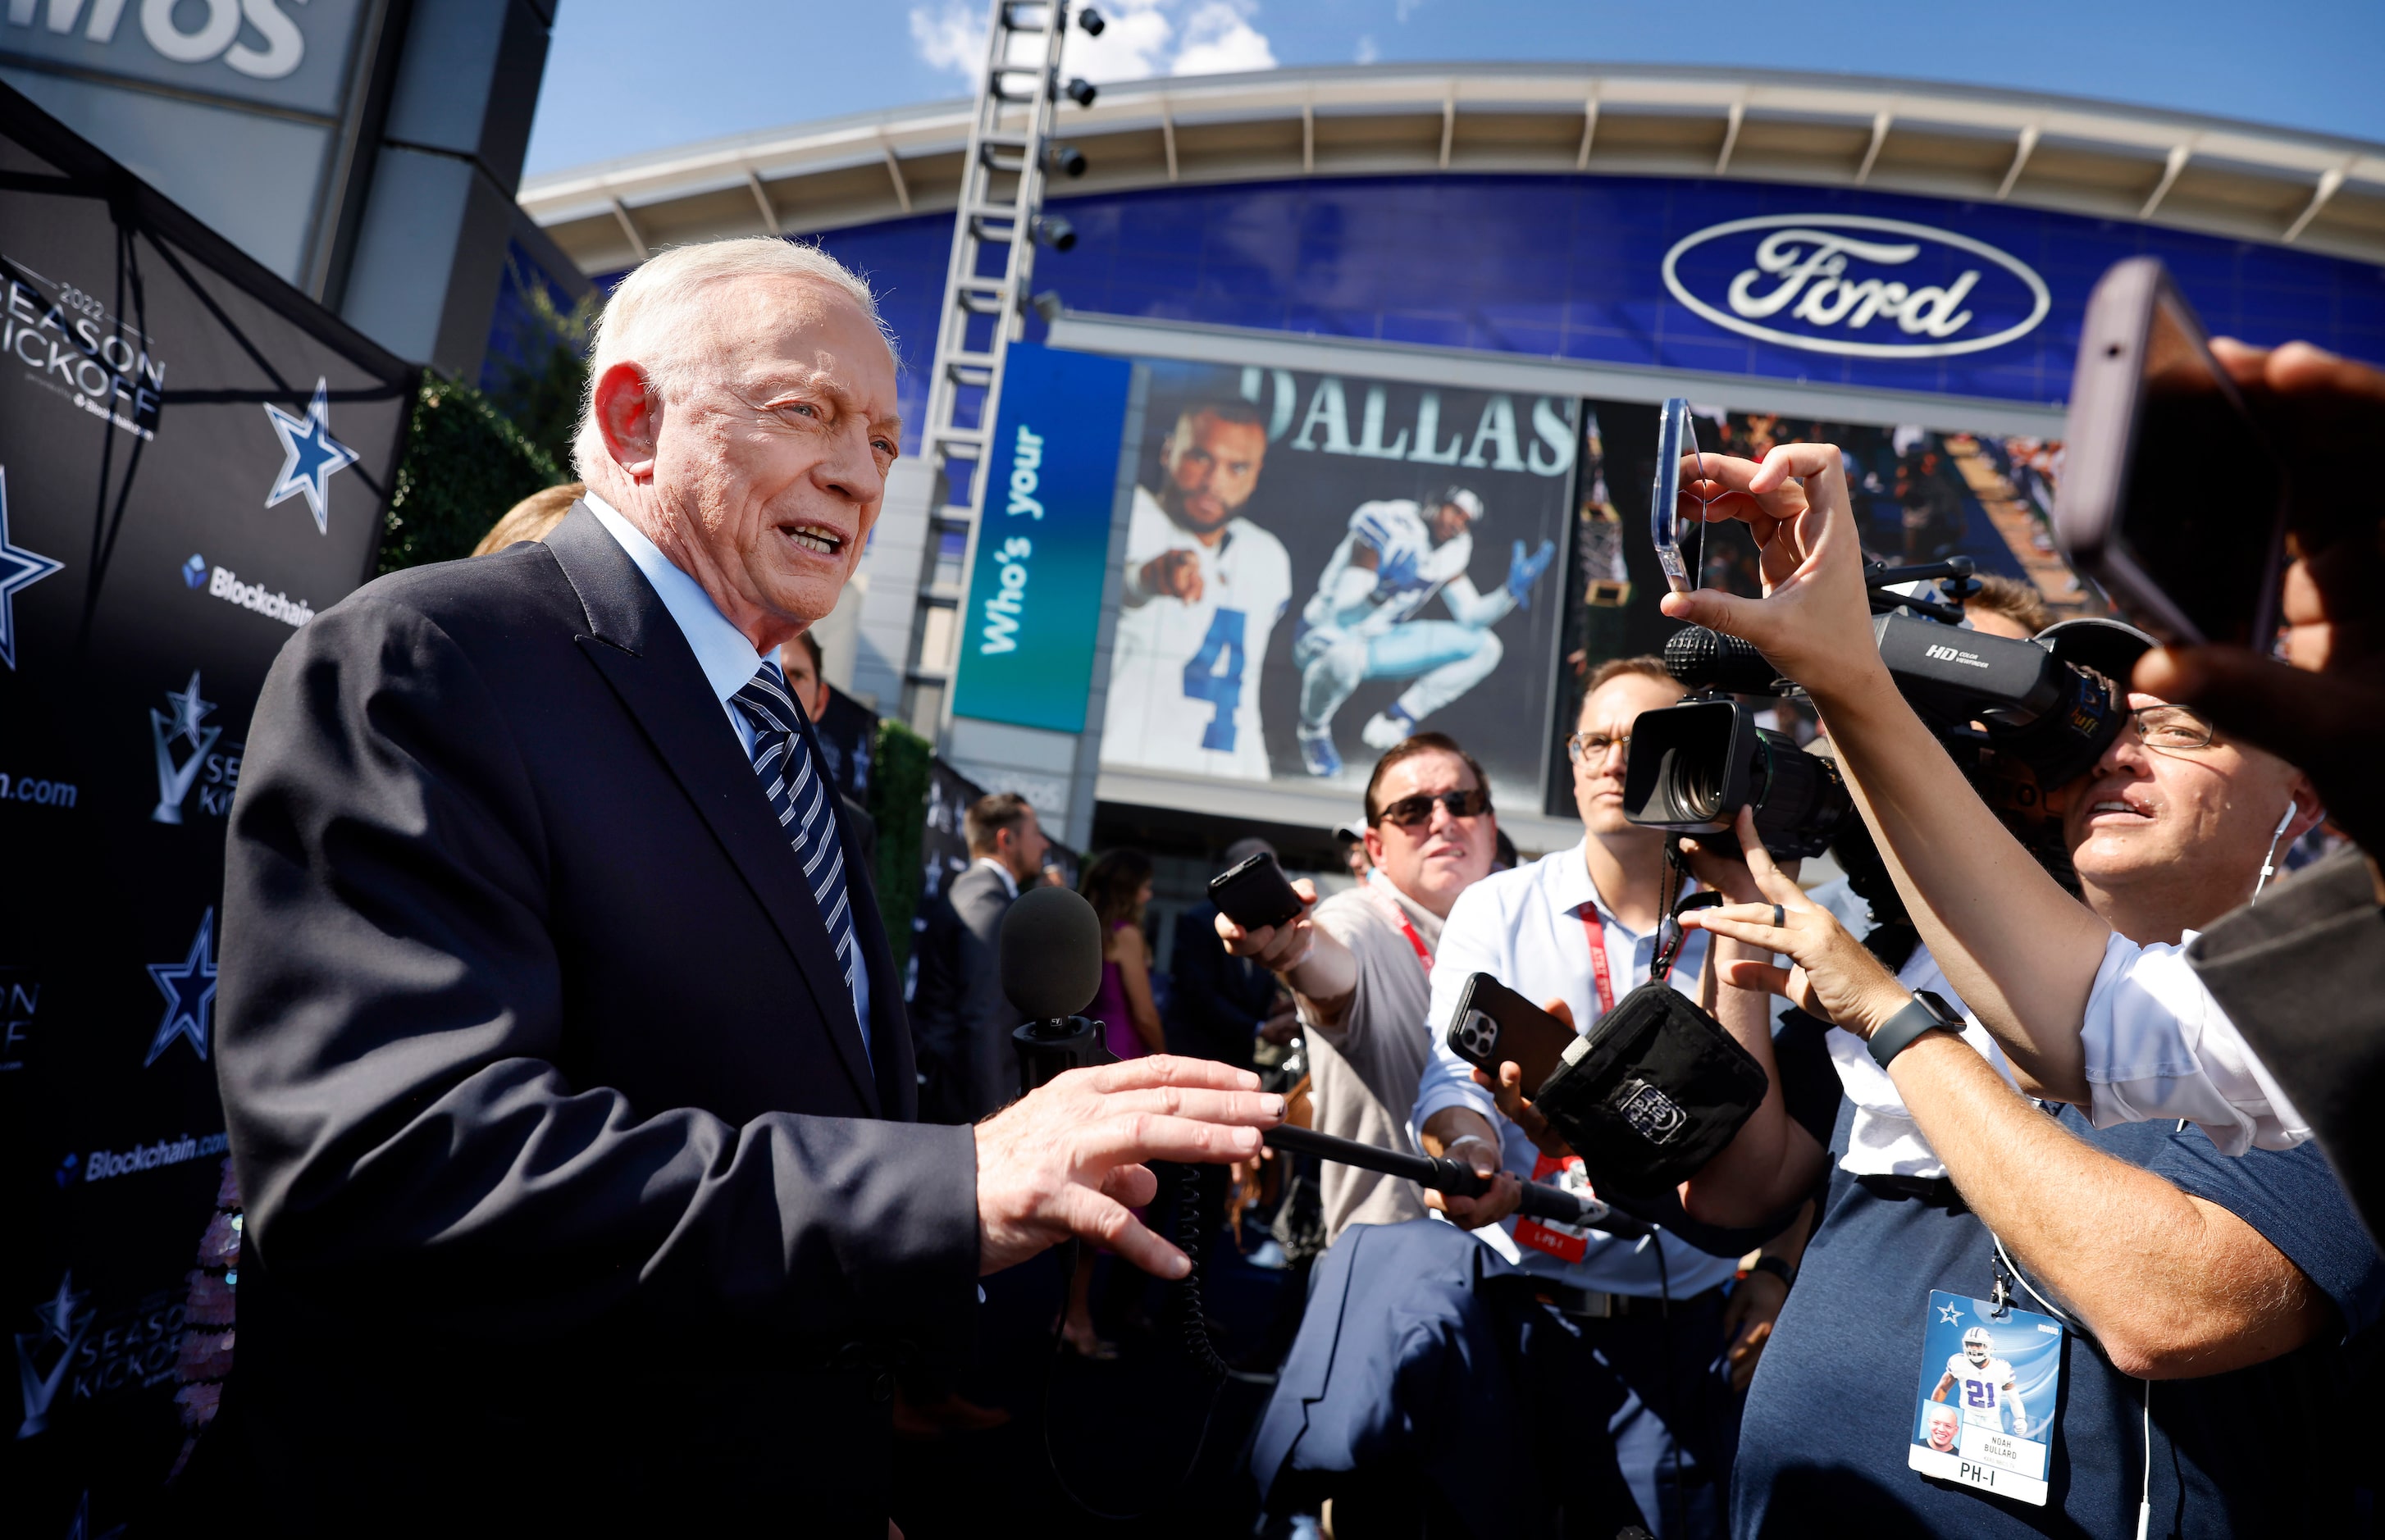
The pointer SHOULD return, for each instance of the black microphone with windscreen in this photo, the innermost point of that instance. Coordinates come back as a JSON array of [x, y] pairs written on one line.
[[1050, 960], [1703, 659]]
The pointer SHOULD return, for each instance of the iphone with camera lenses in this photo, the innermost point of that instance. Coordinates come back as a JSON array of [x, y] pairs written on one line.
[[1495, 1025], [2172, 498]]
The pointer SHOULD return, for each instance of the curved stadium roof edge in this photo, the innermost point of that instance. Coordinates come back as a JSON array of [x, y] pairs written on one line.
[[2106, 160]]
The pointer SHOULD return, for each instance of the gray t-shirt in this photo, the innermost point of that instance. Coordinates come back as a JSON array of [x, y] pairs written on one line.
[[1363, 1070]]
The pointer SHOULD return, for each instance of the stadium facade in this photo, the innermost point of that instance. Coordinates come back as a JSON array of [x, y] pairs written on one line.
[[1480, 278]]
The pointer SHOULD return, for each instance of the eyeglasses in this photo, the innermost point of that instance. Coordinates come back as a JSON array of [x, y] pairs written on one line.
[[1591, 748], [2171, 728], [1408, 811]]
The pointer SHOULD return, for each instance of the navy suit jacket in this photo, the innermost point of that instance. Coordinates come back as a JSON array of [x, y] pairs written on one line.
[[561, 1149]]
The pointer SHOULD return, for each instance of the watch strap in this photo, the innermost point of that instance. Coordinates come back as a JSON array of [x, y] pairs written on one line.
[[1780, 1267], [1920, 1014]]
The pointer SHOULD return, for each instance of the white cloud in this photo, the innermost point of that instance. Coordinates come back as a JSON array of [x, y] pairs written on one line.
[[1403, 9], [1134, 46], [1367, 53], [1220, 40], [1144, 40], [953, 38]]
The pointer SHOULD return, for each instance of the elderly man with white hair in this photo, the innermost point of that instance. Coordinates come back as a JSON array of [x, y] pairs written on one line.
[[567, 1072]]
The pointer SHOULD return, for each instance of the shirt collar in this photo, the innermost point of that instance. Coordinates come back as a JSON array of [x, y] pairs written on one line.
[[1570, 887], [1009, 878], [728, 660]]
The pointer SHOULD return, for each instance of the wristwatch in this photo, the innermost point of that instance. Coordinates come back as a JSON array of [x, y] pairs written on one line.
[[1925, 1013], [1780, 1267]]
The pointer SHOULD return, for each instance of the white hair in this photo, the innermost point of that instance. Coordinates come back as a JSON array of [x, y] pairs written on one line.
[[645, 319]]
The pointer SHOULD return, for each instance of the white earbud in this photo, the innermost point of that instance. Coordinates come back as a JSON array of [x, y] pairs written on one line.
[[2269, 867]]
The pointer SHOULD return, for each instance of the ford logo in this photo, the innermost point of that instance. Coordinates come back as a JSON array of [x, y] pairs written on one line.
[[1848, 284]]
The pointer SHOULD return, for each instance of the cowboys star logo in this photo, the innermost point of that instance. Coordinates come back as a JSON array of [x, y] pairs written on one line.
[[310, 455], [190, 990], [20, 570]]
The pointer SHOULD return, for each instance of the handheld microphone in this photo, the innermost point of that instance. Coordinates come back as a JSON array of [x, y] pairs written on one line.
[[1050, 958], [1703, 659]]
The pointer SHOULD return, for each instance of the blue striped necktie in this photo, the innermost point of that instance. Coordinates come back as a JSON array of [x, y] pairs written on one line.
[[803, 801]]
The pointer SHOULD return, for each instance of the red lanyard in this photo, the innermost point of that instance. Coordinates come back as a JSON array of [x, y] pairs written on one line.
[[1399, 917], [1595, 929]]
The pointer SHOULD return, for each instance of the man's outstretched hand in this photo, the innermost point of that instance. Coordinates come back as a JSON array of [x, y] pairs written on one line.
[[2325, 714], [1068, 1158]]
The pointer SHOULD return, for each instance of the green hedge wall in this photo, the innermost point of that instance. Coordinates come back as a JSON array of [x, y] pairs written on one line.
[[464, 466], [898, 802]]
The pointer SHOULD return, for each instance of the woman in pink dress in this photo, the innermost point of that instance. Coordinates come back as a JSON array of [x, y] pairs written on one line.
[[1117, 884]]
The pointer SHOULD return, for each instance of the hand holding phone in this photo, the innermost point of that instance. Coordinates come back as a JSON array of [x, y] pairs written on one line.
[[2173, 498], [1254, 894]]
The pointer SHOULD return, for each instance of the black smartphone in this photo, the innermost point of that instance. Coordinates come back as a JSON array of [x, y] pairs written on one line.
[[2171, 498], [1254, 894], [1494, 1026]]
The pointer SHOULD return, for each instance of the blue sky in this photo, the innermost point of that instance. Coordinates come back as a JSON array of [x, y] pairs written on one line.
[[626, 77]]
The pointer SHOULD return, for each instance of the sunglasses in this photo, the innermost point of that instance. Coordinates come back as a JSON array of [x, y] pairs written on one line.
[[1408, 811]]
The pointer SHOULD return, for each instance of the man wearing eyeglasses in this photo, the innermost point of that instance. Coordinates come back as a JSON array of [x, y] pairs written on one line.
[[1579, 930], [2095, 1004], [1359, 965]]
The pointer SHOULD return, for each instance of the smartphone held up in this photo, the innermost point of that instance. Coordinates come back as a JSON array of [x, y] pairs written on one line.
[[2174, 499]]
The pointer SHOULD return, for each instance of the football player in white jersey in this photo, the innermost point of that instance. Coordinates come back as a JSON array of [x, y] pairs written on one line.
[[1202, 590], [1361, 623], [1985, 1383]]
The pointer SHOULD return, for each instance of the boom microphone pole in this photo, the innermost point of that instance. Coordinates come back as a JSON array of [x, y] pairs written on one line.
[[1540, 1200]]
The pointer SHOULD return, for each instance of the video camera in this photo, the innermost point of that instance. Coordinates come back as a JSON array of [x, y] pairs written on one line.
[[2014, 718]]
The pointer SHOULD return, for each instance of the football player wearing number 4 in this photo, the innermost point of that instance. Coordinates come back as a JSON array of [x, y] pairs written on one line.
[[1202, 590]]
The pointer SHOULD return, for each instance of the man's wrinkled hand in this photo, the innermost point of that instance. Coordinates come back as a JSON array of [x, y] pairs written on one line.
[[1068, 1159]]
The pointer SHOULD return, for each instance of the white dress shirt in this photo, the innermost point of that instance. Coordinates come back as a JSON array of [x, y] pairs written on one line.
[[1524, 928], [2159, 1046], [728, 660]]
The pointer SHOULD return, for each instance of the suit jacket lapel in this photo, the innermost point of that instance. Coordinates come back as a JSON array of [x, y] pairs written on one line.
[[638, 649]]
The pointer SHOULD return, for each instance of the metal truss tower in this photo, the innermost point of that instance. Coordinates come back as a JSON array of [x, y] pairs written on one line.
[[995, 230]]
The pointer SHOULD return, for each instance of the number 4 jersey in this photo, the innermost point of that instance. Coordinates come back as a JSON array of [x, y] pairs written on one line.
[[1184, 677]]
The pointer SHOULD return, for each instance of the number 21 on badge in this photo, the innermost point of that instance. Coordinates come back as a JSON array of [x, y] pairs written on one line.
[[1989, 1386]]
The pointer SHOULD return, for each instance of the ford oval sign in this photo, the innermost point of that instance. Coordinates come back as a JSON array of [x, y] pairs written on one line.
[[1848, 284]]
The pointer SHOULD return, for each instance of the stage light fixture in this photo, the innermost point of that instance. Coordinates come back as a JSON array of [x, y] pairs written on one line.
[[1081, 91], [1069, 160], [1091, 20], [1047, 304], [1055, 232]]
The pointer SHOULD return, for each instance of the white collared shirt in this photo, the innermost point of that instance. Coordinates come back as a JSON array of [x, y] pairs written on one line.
[[1524, 927], [2158, 1046], [728, 660]]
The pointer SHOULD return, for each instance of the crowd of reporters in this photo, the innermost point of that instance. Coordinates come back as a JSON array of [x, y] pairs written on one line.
[[2138, 1022]]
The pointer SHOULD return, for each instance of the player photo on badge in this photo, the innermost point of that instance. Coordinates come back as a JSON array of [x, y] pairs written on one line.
[[1989, 1387]]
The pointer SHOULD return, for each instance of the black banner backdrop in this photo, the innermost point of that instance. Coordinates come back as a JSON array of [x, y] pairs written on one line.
[[194, 458]]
